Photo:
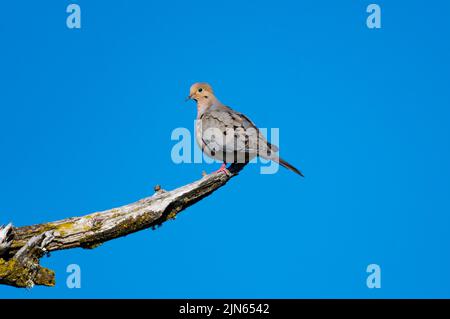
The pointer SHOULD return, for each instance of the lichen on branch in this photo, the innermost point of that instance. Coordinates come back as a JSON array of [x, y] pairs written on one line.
[[22, 247]]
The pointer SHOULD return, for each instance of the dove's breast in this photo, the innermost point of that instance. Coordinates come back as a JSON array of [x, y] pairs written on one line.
[[206, 136], [198, 133]]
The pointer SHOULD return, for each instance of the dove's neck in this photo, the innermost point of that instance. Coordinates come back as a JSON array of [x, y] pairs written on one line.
[[204, 105]]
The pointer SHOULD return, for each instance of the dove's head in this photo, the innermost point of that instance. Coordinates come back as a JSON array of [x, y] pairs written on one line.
[[200, 92]]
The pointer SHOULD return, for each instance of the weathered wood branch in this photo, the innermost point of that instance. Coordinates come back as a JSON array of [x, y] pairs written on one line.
[[22, 247]]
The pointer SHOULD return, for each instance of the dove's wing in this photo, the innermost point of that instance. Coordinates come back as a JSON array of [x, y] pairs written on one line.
[[231, 136], [227, 131]]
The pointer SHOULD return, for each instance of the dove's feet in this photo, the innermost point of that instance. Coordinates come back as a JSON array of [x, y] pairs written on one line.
[[223, 169]]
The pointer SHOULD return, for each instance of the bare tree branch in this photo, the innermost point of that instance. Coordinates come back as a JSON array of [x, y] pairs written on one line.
[[21, 248]]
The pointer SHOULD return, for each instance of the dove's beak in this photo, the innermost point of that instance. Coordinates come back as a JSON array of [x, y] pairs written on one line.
[[191, 97]]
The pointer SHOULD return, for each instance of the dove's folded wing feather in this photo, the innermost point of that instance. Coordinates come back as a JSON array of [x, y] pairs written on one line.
[[225, 130]]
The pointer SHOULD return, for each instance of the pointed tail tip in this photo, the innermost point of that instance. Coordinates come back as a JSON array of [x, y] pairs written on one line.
[[298, 172], [290, 167]]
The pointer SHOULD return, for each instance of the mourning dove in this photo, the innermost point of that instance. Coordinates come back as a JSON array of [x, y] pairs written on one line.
[[227, 135]]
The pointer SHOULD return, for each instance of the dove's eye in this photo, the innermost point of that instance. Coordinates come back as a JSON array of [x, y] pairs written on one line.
[[200, 90]]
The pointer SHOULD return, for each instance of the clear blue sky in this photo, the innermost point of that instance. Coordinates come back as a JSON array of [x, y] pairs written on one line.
[[86, 117]]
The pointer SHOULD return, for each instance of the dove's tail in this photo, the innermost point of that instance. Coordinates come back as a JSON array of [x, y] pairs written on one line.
[[282, 162]]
